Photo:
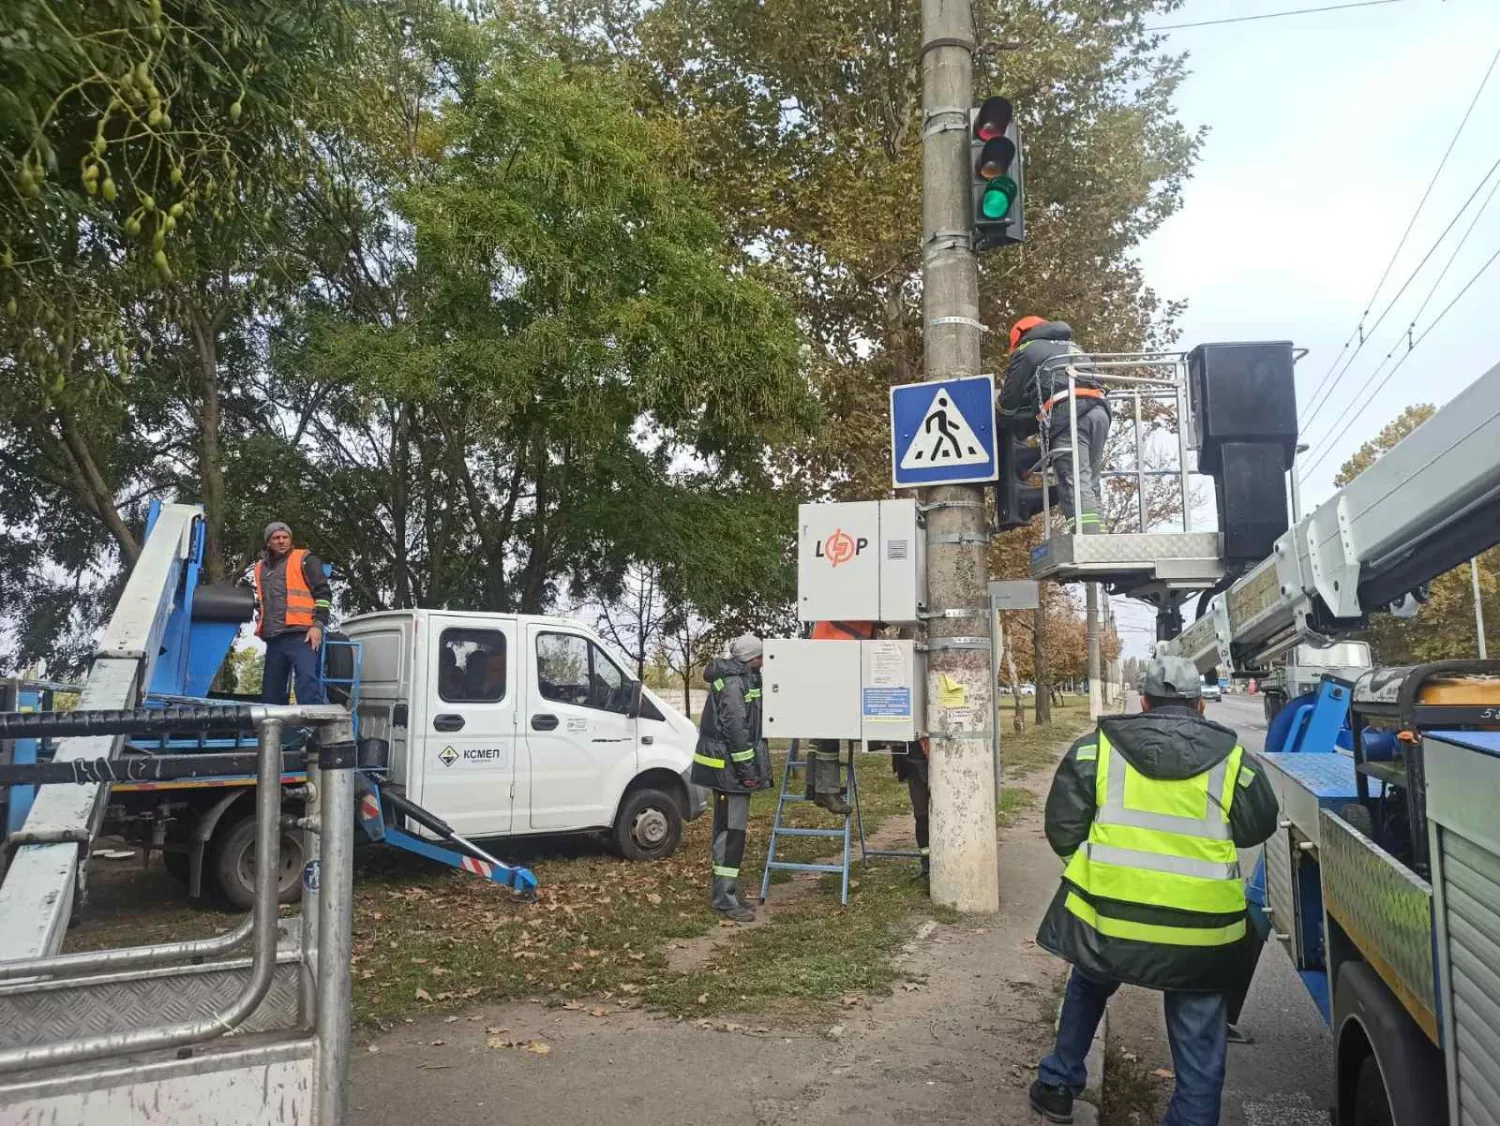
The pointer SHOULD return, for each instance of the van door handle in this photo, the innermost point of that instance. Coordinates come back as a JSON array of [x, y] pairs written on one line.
[[543, 722], [648, 739], [448, 722]]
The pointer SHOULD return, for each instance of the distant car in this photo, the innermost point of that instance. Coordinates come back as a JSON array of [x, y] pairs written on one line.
[[1028, 690], [1212, 692]]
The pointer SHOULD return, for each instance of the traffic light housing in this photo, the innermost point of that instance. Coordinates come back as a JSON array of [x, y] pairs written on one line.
[[1015, 501], [996, 175]]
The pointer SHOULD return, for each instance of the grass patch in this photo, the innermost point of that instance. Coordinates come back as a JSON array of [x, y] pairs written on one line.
[[1025, 752], [1013, 801], [1129, 1097]]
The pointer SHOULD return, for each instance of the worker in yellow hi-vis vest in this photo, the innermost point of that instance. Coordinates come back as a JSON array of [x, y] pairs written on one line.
[[1149, 811]]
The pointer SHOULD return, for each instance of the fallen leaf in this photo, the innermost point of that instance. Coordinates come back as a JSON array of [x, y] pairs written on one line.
[[574, 1005], [598, 1012], [574, 967], [835, 1032], [911, 986], [373, 1048], [498, 1042], [849, 1000], [438, 971], [1162, 1073], [423, 995], [730, 1026], [450, 1020], [703, 998], [653, 899], [539, 1048], [437, 1043], [638, 957], [496, 1030]]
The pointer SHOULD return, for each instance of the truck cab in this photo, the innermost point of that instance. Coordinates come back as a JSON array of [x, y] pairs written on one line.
[[509, 725]]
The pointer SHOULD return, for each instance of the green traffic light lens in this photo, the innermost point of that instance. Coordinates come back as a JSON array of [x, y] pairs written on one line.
[[999, 194]]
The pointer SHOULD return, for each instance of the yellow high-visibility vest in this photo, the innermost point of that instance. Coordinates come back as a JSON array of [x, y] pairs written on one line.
[[1162, 846]]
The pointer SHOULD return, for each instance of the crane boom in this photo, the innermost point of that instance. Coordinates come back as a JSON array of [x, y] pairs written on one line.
[[1424, 507]]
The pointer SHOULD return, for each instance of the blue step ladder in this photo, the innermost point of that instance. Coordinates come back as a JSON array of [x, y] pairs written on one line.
[[844, 836]]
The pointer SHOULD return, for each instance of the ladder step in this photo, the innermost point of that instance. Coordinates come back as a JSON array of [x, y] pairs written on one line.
[[791, 867], [906, 853], [783, 831]]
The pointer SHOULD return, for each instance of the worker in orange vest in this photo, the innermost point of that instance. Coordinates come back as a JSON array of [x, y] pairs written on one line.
[[823, 785], [292, 602]]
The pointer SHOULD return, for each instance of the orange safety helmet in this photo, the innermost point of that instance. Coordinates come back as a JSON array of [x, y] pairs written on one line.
[[1025, 324]]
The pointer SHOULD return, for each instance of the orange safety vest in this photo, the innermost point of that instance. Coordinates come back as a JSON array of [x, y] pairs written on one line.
[[843, 631], [299, 598]]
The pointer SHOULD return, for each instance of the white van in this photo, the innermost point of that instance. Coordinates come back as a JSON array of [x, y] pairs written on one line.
[[506, 725]]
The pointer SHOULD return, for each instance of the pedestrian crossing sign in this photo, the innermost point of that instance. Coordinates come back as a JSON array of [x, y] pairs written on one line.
[[943, 432]]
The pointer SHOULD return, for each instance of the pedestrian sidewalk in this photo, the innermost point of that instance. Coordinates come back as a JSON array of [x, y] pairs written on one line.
[[958, 1042]]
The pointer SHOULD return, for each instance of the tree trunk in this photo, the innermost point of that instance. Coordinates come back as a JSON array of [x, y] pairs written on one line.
[[91, 488], [1015, 682], [1043, 673], [210, 452], [687, 674]]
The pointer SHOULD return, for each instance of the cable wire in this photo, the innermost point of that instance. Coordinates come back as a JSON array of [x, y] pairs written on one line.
[[1272, 15], [1392, 303], [1359, 331], [1430, 294], [1490, 261]]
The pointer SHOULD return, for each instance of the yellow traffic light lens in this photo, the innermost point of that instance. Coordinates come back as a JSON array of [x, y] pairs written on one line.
[[995, 158]]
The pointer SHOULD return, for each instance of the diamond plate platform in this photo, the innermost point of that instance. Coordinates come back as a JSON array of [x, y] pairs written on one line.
[[1386, 909], [1183, 561], [47, 1012], [1307, 782]]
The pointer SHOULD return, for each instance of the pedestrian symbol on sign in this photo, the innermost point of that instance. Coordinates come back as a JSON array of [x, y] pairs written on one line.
[[945, 438]]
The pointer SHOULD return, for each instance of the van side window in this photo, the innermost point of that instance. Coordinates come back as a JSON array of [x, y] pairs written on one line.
[[471, 666], [572, 670]]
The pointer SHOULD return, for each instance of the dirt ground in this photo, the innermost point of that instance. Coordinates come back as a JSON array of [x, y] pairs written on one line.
[[956, 1042]]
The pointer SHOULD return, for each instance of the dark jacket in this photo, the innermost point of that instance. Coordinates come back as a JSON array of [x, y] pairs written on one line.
[[273, 613], [730, 725], [1169, 743], [1018, 395]]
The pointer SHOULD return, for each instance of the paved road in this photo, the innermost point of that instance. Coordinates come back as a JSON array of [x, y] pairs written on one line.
[[1282, 1079]]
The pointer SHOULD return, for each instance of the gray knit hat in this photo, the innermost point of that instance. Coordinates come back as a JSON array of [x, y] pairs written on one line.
[[273, 527], [746, 648]]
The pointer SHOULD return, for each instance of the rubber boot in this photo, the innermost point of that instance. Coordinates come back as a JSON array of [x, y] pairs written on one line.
[[827, 786], [725, 900]]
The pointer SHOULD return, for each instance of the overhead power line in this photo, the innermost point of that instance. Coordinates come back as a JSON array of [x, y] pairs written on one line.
[[1453, 222], [1359, 329], [1437, 320], [1273, 15]]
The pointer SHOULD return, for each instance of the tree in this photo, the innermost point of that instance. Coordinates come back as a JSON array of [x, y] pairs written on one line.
[[635, 616], [1444, 628]]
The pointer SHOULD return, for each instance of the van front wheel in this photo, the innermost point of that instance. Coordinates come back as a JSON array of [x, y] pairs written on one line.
[[649, 825]]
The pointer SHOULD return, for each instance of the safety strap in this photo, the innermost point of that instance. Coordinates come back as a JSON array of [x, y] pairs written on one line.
[[753, 694], [1152, 932], [1081, 392], [705, 760], [1160, 862], [741, 756], [721, 870]]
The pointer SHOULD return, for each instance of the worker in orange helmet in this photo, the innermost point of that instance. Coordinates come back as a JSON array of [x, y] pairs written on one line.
[[1035, 394]]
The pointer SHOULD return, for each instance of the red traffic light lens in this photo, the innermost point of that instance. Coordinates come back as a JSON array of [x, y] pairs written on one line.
[[995, 158], [993, 118]]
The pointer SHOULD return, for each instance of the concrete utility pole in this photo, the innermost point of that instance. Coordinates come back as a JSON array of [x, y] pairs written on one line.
[[965, 864], [1096, 688]]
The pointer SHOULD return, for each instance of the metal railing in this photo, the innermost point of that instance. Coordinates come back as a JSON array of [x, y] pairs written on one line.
[[1108, 370], [322, 1022]]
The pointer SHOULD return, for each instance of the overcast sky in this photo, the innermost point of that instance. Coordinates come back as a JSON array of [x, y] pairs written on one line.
[[1324, 130]]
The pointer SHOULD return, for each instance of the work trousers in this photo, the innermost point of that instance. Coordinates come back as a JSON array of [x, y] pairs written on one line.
[[731, 819], [1196, 1029], [1093, 431], [921, 797], [288, 655]]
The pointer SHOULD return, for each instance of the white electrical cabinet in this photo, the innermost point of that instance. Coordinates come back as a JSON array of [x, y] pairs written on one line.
[[860, 561], [861, 690]]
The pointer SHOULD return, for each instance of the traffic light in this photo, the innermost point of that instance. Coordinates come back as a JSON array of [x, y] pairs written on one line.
[[1015, 501], [996, 175]]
